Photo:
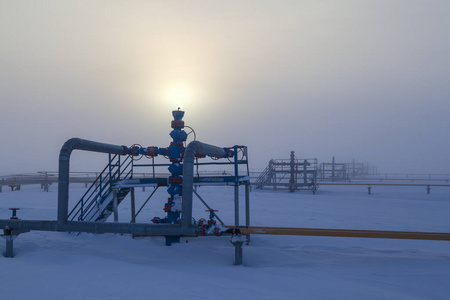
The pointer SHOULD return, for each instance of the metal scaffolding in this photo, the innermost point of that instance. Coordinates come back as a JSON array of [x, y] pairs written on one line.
[[292, 174]]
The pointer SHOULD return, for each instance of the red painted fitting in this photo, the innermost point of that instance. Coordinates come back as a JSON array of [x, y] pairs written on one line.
[[177, 124], [151, 151], [198, 155], [204, 229], [176, 180], [167, 207], [176, 144]]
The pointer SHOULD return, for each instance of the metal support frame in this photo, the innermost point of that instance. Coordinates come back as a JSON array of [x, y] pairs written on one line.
[[112, 174], [133, 206], [237, 252], [9, 252], [9, 235], [292, 174]]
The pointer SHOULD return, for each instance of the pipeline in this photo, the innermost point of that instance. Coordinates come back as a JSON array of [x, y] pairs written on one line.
[[190, 153], [64, 168], [96, 227], [383, 234]]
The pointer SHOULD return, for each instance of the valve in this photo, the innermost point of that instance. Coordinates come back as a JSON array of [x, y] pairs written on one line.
[[14, 213]]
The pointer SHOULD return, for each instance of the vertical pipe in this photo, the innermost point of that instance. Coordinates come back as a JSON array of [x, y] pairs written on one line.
[[194, 147], [247, 209], [247, 205], [236, 189], [64, 164], [153, 166], [133, 206]]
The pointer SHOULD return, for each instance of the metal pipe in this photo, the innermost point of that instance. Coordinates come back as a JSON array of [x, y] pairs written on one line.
[[383, 234], [64, 167], [194, 147], [98, 227]]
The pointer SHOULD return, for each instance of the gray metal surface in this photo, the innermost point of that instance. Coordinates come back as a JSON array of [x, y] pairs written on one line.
[[96, 227], [64, 167], [192, 149]]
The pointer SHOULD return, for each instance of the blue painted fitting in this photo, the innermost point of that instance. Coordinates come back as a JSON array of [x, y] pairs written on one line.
[[174, 189], [177, 115], [172, 217], [176, 169], [163, 151], [178, 135], [175, 151]]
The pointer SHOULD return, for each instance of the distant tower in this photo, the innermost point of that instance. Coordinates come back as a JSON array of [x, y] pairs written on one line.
[[292, 180]]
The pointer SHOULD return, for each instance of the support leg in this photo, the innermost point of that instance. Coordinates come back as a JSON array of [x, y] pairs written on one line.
[[247, 210], [9, 238], [237, 252], [9, 246], [236, 206]]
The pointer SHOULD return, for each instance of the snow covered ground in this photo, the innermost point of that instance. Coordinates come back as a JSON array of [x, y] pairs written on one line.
[[53, 265]]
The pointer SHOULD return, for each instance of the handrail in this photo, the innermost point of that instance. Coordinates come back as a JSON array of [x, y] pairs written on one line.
[[82, 200], [114, 170]]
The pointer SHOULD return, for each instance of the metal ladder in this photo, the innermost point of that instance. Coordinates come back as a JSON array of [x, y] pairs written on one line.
[[97, 204]]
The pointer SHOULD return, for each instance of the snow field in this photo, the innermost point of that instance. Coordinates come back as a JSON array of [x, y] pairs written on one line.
[[50, 265]]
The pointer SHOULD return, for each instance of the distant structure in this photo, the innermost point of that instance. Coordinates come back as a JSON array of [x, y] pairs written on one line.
[[344, 171], [292, 174]]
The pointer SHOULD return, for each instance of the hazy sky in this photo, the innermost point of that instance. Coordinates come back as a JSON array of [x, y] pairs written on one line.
[[364, 80]]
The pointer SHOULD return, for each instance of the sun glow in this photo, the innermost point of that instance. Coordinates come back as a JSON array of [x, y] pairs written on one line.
[[179, 96]]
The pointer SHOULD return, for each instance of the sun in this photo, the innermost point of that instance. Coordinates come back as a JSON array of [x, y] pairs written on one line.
[[179, 96]]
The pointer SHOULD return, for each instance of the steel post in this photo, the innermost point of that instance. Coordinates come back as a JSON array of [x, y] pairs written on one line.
[[237, 252], [133, 206], [236, 189], [247, 209], [9, 246], [116, 211]]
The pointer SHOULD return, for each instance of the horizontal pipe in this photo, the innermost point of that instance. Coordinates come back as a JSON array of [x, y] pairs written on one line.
[[97, 227], [386, 184], [176, 229], [64, 166], [439, 236]]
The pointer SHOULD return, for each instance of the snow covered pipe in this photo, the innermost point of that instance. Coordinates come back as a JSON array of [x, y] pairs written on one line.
[[64, 163], [192, 149]]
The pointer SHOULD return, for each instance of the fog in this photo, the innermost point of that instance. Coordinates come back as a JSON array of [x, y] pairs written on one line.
[[363, 80]]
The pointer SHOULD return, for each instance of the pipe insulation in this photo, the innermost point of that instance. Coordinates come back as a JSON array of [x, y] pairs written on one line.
[[96, 227], [64, 167], [192, 149]]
